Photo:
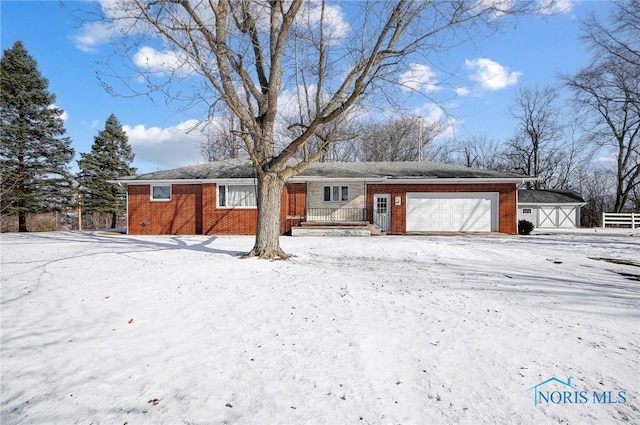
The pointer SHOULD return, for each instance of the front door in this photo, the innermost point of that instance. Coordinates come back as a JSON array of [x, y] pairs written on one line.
[[382, 211]]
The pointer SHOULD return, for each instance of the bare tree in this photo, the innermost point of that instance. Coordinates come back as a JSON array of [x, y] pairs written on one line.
[[222, 140], [609, 92], [249, 51], [337, 140], [479, 152], [594, 186], [533, 150], [397, 139], [618, 38], [576, 154]]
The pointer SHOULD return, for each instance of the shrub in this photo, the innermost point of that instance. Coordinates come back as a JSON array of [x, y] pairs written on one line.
[[525, 227]]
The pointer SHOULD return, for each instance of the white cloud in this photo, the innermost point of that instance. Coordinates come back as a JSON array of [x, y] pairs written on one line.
[[334, 19], [490, 74], [114, 23], [419, 78], [288, 105], [462, 91], [165, 62], [498, 7], [166, 148], [93, 34], [552, 7], [64, 116], [433, 113]]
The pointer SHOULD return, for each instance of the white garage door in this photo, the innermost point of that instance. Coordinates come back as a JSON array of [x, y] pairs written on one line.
[[560, 216], [452, 212]]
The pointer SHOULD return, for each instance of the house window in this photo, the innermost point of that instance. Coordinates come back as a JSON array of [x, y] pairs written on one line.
[[336, 194], [230, 196], [161, 193], [526, 211]]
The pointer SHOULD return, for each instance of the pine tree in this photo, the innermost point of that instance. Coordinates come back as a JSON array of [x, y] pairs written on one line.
[[34, 155], [110, 158]]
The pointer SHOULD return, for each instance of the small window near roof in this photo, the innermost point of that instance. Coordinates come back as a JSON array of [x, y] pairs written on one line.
[[161, 193], [526, 211], [336, 194], [222, 195]]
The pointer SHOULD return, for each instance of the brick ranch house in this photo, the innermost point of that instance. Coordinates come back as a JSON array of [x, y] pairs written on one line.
[[395, 197]]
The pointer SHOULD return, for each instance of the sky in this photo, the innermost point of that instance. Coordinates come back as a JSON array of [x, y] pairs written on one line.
[[486, 73]]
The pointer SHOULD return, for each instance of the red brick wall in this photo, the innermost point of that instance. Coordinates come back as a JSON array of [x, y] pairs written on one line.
[[226, 221], [507, 221], [294, 203], [182, 215], [192, 210]]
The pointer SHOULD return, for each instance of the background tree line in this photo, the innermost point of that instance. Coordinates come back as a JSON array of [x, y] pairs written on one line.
[[35, 155]]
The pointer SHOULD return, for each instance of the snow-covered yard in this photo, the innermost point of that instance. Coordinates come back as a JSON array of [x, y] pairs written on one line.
[[113, 329]]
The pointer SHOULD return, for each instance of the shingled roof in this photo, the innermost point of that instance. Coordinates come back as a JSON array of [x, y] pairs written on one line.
[[530, 196], [240, 168]]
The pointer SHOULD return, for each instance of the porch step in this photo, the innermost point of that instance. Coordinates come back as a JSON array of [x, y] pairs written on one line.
[[375, 230], [333, 230], [334, 224]]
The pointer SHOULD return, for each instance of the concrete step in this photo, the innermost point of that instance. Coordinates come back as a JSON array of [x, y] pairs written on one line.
[[330, 231]]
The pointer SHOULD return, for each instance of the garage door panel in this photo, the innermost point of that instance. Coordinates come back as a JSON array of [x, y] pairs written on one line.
[[457, 212], [547, 217], [557, 216], [567, 217]]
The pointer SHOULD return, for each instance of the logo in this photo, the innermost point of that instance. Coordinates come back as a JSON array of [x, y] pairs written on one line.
[[557, 391]]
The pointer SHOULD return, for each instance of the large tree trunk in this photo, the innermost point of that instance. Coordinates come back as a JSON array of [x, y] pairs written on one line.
[[267, 243], [114, 220], [22, 221]]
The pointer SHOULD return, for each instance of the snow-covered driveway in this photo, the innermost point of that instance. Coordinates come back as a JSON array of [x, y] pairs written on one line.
[[113, 329]]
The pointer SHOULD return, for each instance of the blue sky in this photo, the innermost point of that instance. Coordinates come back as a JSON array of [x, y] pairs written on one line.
[[529, 51]]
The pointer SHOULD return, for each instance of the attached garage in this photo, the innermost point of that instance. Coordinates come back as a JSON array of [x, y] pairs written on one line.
[[452, 212]]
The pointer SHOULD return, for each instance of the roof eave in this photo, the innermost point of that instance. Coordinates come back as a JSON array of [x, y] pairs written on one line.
[[462, 180], [159, 181], [551, 203], [302, 179]]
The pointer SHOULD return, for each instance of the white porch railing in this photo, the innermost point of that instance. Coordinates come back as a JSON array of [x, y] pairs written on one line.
[[621, 220]]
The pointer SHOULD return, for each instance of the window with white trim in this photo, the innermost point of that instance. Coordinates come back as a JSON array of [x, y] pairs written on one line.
[[526, 211], [336, 193], [161, 192], [236, 195]]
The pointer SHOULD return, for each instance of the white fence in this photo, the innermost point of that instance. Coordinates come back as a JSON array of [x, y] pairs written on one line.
[[621, 220]]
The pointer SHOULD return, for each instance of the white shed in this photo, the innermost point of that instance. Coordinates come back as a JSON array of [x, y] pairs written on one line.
[[550, 208]]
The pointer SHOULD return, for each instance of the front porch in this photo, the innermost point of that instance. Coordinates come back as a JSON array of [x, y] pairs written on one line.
[[339, 222]]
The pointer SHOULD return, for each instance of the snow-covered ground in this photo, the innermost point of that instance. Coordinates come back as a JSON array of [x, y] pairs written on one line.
[[101, 328]]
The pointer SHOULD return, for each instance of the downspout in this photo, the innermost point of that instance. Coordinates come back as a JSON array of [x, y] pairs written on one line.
[[366, 209], [518, 207], [126, 209]]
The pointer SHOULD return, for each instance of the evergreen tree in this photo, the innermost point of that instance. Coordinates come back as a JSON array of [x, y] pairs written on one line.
[[110, 158], [34, 155]]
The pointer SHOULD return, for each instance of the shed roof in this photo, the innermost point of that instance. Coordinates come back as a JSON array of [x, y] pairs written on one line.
[[240, 168], [531, 196]]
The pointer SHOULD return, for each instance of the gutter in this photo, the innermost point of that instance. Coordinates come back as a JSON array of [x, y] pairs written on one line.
[[303, 179]]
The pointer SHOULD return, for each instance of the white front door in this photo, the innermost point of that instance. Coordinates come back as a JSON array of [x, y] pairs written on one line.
[[382, 211]]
